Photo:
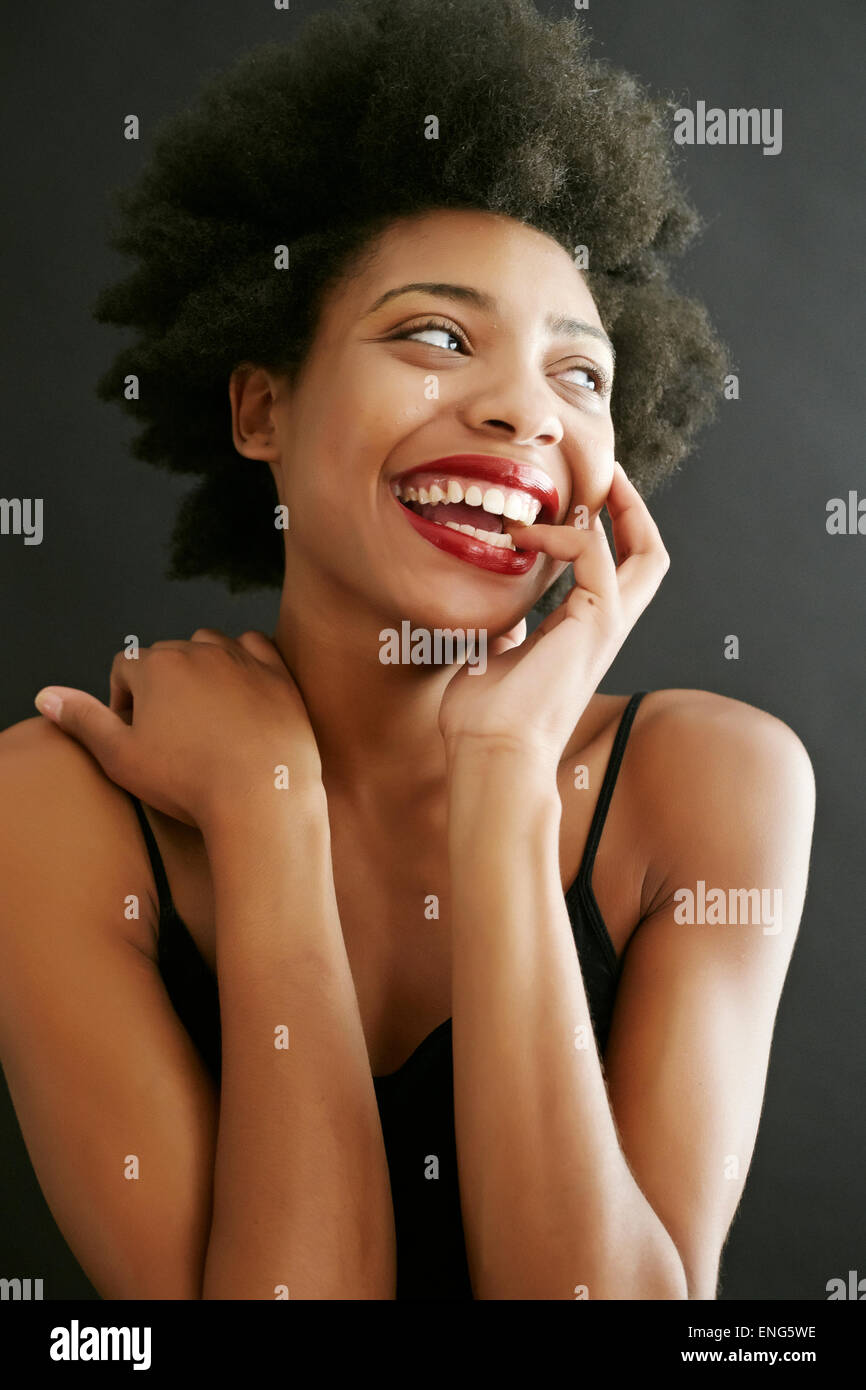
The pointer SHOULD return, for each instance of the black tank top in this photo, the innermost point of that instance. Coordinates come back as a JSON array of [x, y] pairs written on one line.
[[416, 1102]]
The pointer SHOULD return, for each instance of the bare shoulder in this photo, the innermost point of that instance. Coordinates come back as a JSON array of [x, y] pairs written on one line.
[[44, 769], [92, 1051], [67, 830], [681, 728], [710, 770]]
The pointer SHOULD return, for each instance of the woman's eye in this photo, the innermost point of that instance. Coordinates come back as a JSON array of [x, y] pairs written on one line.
[[440, 333], [593, 378]]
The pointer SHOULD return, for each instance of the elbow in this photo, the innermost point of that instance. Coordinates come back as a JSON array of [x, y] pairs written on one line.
[[659, 1276], [156, 1286], [677, 1280], [659, 1279], [242, 1280], [673, 1283]]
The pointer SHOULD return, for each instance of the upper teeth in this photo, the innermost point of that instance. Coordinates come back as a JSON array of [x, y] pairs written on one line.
[[516, 506]]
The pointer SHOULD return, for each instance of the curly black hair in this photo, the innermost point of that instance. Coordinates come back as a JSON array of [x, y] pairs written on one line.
[[318, 144]]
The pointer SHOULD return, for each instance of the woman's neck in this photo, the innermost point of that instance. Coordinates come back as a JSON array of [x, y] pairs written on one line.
[[376, 723]]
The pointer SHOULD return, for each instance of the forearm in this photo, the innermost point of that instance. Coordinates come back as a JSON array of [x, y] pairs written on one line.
[[549, 1202], [301, 1189]]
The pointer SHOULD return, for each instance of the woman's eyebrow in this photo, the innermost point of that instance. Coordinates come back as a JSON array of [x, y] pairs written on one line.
[[557, 323], [576, 328], [461, 292]]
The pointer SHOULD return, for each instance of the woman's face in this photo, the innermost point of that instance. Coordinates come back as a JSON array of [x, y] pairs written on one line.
[[501, 358]]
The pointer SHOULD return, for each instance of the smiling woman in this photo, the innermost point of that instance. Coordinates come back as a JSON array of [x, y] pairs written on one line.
[[387, 399], [298, 147], [408, 1010]]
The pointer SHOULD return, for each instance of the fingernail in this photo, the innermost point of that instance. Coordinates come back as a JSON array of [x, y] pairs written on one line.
[[49, 703]]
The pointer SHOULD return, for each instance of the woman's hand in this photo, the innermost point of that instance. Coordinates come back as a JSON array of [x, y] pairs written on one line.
[[193, 726], [534, 691]]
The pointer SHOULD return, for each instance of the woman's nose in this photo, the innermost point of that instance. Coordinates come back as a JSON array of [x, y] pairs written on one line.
[[518, 408]]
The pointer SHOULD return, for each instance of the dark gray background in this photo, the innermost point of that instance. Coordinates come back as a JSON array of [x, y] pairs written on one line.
[[744, 522]]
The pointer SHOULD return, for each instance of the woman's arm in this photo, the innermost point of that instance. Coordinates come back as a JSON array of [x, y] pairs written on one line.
[[626, 1191], [198, 730], [302, 1199], [121, 1120], [116, 1108], [568, 1192], [549, 1204]]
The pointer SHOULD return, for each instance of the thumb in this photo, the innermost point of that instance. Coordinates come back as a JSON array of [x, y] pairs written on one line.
[[86, 719], [263, 648], [515, 637]]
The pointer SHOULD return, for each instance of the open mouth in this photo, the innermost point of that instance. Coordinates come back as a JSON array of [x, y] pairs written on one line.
[[461, 505], [471, 508]]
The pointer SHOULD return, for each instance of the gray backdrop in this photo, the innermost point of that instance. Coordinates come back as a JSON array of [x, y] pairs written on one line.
[[744, 522]]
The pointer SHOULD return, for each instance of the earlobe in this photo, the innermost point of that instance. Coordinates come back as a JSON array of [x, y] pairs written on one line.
[[260, 445], [253, 432]]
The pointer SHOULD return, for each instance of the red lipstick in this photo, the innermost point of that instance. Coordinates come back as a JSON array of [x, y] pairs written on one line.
[[502, 472], [487, 557]]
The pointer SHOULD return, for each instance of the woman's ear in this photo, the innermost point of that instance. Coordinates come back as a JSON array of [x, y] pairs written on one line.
[[252, 397]]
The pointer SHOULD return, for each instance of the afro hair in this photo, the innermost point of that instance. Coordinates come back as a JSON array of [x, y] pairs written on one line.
[[318, 144]]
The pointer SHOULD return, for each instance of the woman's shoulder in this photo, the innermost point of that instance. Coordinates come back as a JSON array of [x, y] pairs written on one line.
[[64, 823], [712, 772], [684, 725], [679, 727], [36, 754]]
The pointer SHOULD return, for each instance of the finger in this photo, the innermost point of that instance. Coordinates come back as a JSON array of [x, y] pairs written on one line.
[[560, 542], [88, 721], [586, 548], [120, 684], [125, 666], [642, 559], [212, 635], [513, 638], [263, 648]]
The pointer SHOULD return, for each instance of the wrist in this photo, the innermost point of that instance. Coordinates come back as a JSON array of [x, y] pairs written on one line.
[[493, 785], [504, 819], [256, 811], [476, 760], [273, 885]]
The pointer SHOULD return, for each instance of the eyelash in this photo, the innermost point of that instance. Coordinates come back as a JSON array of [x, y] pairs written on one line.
[[599, 375]]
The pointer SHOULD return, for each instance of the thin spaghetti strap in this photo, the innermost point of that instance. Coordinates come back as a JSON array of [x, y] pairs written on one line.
[[166, 906], [607, 786]]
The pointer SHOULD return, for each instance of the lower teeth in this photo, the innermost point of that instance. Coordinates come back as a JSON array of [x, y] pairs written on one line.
[[500, 540]]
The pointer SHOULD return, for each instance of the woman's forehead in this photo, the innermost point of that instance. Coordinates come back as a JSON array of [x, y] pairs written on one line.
[[502, 263]]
